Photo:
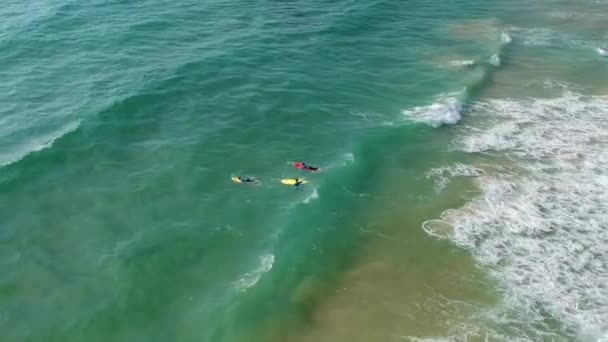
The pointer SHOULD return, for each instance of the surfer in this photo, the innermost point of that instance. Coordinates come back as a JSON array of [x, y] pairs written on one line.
[[308, 167], [298, 182], [246, 179], [304, 166]]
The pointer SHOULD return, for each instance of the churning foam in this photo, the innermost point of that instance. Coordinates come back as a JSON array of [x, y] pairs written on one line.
[[444, 111], [249, 279], [35, 144], [602, 52], [543, 233], [495, 60], [442, 176]]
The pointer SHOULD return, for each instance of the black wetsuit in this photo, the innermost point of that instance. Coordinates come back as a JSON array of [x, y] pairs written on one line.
[[309, 168]]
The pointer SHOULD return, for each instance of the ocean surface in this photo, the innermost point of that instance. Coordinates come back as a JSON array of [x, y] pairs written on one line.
[[462, 195]]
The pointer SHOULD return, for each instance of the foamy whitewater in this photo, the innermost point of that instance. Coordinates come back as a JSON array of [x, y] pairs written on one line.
[[548, 37], [443, 176], [443, 111], [249, 279], [462, 63], [543, 232]]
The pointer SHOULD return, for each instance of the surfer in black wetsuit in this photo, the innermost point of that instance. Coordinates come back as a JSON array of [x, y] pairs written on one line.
[[298, 182], [246, 180], [308, 167]]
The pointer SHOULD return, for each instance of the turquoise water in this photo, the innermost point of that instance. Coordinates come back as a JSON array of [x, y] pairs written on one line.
[[121, 125]]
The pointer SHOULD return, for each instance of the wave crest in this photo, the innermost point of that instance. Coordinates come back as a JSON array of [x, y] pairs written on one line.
[[35, 144]]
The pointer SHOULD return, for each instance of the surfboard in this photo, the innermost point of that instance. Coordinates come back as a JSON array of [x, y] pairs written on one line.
[[236, 179], [292, 181]]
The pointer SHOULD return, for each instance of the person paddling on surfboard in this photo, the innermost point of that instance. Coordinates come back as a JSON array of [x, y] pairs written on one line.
[[304, 166], [246, 179], [308, 167], [298, 182]]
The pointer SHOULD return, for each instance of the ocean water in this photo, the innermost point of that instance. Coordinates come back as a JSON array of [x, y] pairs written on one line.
[[461, 197]]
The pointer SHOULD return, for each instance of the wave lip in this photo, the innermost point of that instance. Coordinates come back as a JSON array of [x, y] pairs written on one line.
[[542, 231], [36, 144]]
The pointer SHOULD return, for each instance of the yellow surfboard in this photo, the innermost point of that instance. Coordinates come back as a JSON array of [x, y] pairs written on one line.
[[236, 179], [292, 181]]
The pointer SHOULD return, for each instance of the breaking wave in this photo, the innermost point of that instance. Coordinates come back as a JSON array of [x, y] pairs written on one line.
[[35, 144], [447, 108], [542, 232]]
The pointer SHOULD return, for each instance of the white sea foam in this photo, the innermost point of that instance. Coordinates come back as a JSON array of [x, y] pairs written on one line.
[[454, 63], [563, 15], [602, 52], [249, 279], [505, 38], [444, 111], [468, 332], [587, 17], [17, 152], [349, 158], [535, 36], [495, 60], [312, 196], [462, 63], [498, 137], [548, 37], [344, 160], [442, 176], [543, 233]]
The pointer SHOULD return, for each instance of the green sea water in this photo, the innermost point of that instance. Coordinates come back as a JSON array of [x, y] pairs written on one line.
[[122, 122]]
